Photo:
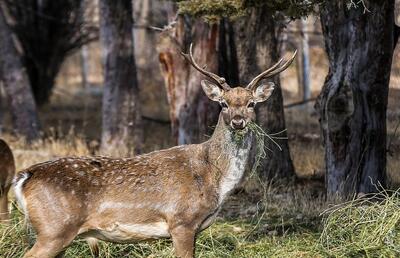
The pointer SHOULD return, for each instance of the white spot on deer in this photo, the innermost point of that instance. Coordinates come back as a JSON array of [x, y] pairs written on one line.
[[119, 179], [75, 165]]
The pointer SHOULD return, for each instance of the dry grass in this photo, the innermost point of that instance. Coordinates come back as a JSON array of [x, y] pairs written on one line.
[[308, 161], [366, 227], [44, 150]]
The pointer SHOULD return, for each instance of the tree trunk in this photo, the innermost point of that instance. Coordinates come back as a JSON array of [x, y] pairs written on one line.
[[192, 114], [257, 49], [42, 73], [16, 85], [122, 125], [353, 101], [228, 62], [84, 58], [304, 62], [48, 32]]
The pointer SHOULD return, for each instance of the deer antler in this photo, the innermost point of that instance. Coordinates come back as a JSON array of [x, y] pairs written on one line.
[[275, 69], [219, 80]]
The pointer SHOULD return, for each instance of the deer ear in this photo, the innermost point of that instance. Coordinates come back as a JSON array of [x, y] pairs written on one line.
[[212, 91], [263, 91]]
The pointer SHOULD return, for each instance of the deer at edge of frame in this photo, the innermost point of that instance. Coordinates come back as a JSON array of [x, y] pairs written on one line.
[[7, 170], [175, 192]]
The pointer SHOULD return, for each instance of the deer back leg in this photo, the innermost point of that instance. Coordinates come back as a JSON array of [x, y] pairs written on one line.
[[51, 244], [47, 247]]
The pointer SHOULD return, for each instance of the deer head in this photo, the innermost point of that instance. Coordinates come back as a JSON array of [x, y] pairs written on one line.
[[238, 103]]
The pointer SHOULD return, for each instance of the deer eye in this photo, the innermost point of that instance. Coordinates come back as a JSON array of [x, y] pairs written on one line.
[[251, 104], [223, 104]]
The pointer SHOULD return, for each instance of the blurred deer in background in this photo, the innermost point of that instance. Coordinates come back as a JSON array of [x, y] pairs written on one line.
[[7, 170], [174, 193]]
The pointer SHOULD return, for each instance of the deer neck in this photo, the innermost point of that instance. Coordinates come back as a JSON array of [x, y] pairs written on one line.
[[228, 152]]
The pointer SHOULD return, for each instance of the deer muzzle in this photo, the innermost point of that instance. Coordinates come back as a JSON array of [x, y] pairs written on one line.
[[238, 123]]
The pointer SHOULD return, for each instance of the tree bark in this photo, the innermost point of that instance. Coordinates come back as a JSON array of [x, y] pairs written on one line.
[[122, 125], [353, 101], [16, 85], [192, 114], [257, 49]]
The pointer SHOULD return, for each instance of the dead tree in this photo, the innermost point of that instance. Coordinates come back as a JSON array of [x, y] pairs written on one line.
[[353, 101], [16, 85], [122, 125], [191, 113]]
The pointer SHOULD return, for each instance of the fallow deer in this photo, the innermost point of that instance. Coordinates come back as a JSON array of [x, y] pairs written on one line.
[[7, 170], [174, 193]]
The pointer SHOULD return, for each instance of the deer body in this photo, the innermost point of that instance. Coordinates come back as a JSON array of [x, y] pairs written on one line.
[[169, 193], [7, 170], [144, 197]]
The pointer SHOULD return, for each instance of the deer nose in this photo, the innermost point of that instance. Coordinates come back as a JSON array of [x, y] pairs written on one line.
[[238, 123]]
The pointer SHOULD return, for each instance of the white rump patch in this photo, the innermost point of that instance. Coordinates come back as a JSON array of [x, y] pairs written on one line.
[[18, 183]]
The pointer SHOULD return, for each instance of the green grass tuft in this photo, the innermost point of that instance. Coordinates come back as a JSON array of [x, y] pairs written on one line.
[[365, 227]]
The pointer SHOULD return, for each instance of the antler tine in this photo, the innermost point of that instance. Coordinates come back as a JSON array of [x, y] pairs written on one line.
[[275, 69], [219, 80], [263, 74]]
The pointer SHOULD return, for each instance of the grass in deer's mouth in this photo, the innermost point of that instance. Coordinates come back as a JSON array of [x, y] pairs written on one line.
[[260, 136]]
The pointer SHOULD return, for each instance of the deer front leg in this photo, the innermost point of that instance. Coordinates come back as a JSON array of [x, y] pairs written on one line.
[[183, 239], [4, 213]]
